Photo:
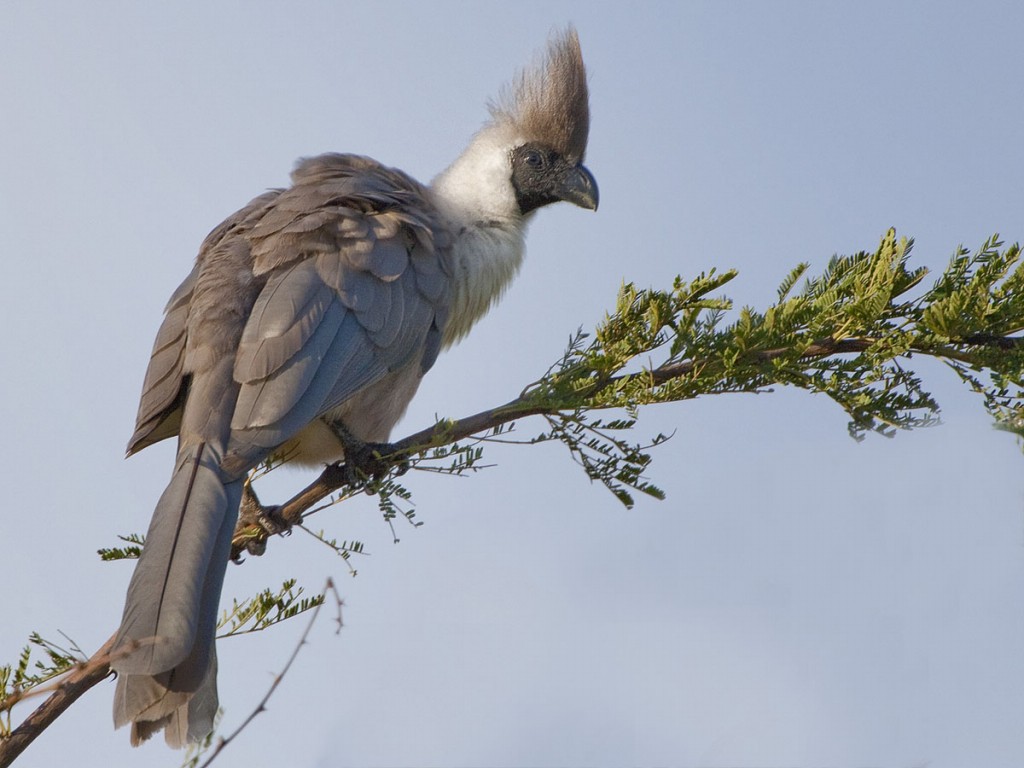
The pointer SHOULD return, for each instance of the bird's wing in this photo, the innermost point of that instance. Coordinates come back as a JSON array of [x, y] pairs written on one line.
[[160, 406], [357, 274], [166, 382]]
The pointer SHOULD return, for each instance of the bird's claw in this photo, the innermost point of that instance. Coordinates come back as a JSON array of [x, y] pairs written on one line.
[[366, 462], [252, 513]]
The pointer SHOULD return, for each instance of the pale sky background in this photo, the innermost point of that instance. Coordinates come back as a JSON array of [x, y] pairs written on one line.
[[798, 600]]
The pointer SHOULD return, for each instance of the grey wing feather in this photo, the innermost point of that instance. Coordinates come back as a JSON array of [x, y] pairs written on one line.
[[160, 407], [288, 311], [413, 338], [267, 400], [341, 317], [298, 393], [386, 319], [157, 417], [358, 289], [430, 278], [390, 259]]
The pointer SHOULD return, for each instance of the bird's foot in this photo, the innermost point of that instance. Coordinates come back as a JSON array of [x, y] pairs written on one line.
[[366, 462], [256, 523]]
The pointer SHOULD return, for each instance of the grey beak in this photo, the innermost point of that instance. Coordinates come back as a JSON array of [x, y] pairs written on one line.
[[579, 188]]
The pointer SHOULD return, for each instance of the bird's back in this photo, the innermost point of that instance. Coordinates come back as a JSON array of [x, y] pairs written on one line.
[[317, 292]]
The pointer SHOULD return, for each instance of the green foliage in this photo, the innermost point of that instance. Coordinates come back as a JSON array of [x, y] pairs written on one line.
[[266, 609], [39, 662], [849, 334], [131, 552], [343, 549], [447, 458], [393, 499], [607, 458], [973, 317]]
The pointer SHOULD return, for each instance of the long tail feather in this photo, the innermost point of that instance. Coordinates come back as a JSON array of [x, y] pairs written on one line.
[[167, 673]]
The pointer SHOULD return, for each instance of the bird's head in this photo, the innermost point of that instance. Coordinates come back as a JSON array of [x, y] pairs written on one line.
[[547, 110], [530, 153]]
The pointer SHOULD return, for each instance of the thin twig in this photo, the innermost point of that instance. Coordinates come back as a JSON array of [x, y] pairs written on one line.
[[262, 705]]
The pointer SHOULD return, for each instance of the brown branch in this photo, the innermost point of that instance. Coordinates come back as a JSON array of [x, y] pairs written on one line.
[[334, 477], [252, 538], [994, 340], [67, 691], [820, 348], [252, 533], [828, 346]]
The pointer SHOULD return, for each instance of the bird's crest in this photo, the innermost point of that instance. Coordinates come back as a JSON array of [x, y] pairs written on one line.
[[549, 102]]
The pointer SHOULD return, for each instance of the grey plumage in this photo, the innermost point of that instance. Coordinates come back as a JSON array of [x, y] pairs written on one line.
[[317, 305]]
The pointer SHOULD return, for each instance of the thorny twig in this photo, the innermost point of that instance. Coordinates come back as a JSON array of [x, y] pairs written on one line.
[[222, 743]]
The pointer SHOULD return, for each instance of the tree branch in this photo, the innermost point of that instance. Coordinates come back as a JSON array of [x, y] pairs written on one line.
[[67, 692], [335, 477], [971, 319]]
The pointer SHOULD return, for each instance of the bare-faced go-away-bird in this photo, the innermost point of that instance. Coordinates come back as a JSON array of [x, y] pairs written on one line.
[[309, 319]]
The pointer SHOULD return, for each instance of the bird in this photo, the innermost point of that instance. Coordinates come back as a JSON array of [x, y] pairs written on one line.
[[305, 327]]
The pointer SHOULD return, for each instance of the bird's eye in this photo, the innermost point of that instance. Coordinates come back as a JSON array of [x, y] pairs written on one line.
[[534, 159]]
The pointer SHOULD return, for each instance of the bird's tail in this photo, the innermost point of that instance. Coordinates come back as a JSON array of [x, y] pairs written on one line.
[[164, 651]]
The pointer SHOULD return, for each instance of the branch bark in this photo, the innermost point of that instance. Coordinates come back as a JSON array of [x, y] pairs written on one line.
[[68, 691]]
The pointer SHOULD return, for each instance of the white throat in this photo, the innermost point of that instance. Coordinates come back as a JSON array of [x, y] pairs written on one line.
[[476, 196]]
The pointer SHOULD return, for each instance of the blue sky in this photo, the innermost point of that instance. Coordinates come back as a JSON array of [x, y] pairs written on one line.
[[799, 599]]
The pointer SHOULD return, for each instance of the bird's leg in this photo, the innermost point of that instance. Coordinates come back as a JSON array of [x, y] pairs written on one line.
[[267, 521], [366, 461]]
